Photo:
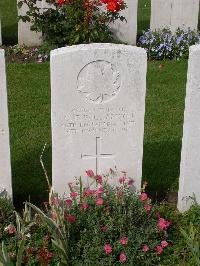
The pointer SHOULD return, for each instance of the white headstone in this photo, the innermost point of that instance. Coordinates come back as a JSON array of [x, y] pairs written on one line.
[[25, 35], [160, 14], [127, 31], [5, 167], [174, 14], [189, 183], [0, 34], [98, 106]]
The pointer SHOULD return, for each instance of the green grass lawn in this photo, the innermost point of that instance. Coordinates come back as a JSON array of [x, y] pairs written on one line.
[[29, 107], [8, 14]]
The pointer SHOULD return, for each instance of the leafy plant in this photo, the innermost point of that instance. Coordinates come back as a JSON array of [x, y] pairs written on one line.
[[102, 223], [74, 21]]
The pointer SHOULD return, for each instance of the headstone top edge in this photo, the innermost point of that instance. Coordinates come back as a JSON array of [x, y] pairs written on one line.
[[98, 46], [2, 52], [194, 48]]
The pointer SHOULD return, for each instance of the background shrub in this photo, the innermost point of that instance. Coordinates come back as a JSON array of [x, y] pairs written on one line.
[[69, 22]]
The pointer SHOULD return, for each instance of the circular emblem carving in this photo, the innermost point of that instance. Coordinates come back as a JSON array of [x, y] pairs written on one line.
[[99, 82]]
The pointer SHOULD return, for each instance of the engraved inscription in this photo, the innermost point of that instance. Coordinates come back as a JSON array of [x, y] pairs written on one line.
[[97, 121], [99, 155], [99, 82]]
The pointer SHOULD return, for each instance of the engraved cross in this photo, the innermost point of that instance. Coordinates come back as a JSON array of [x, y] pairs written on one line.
[[98, 154]]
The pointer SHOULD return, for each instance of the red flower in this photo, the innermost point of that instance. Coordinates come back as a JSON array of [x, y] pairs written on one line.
[[122, 257], [84, 206], [104, 228], [122, 179], [90, 173], [60, 2], [68, 202], [89, 192], [108, 249], [112, 6], [55, 201], [163, 224], [99, 179], [145, 248], [131, 181], [45, 256], [73, 195], [99, 191], [70, 218], [164, 244], [159, 249], [10, 229], [143, 197], [124, 240], [99, 201], [147, 207], [29, 250]]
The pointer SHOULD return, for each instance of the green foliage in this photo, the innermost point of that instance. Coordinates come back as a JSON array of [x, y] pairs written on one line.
[[192, 240], [6, 214], [71, 22], [185, 236], [81, 226]]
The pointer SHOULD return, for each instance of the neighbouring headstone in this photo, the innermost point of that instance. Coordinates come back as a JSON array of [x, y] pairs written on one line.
[[160, 14], [98, 105], [189, 184], [25, 35], [126, 31], [5, 167], [174, 14], [0, 34]]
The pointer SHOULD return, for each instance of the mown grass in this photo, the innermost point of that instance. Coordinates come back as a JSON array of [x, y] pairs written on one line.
[[29, 107], [8, 14]]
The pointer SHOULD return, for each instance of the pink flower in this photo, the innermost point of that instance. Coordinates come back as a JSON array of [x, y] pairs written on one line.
[[89, 192], [99, 179], [10, 229], [145, 248], [122, 257], [104, 228], [143, 196], [108, 249], [164, 244], [84, 206], [99, 201], [54, 216], [122, 179], [68, 202], [124, 240], [163, 224], [99, 191], [70, 218], [55, 201], [147, 207], [159, 249], [90, 173], [73, 195], [131, 181]]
